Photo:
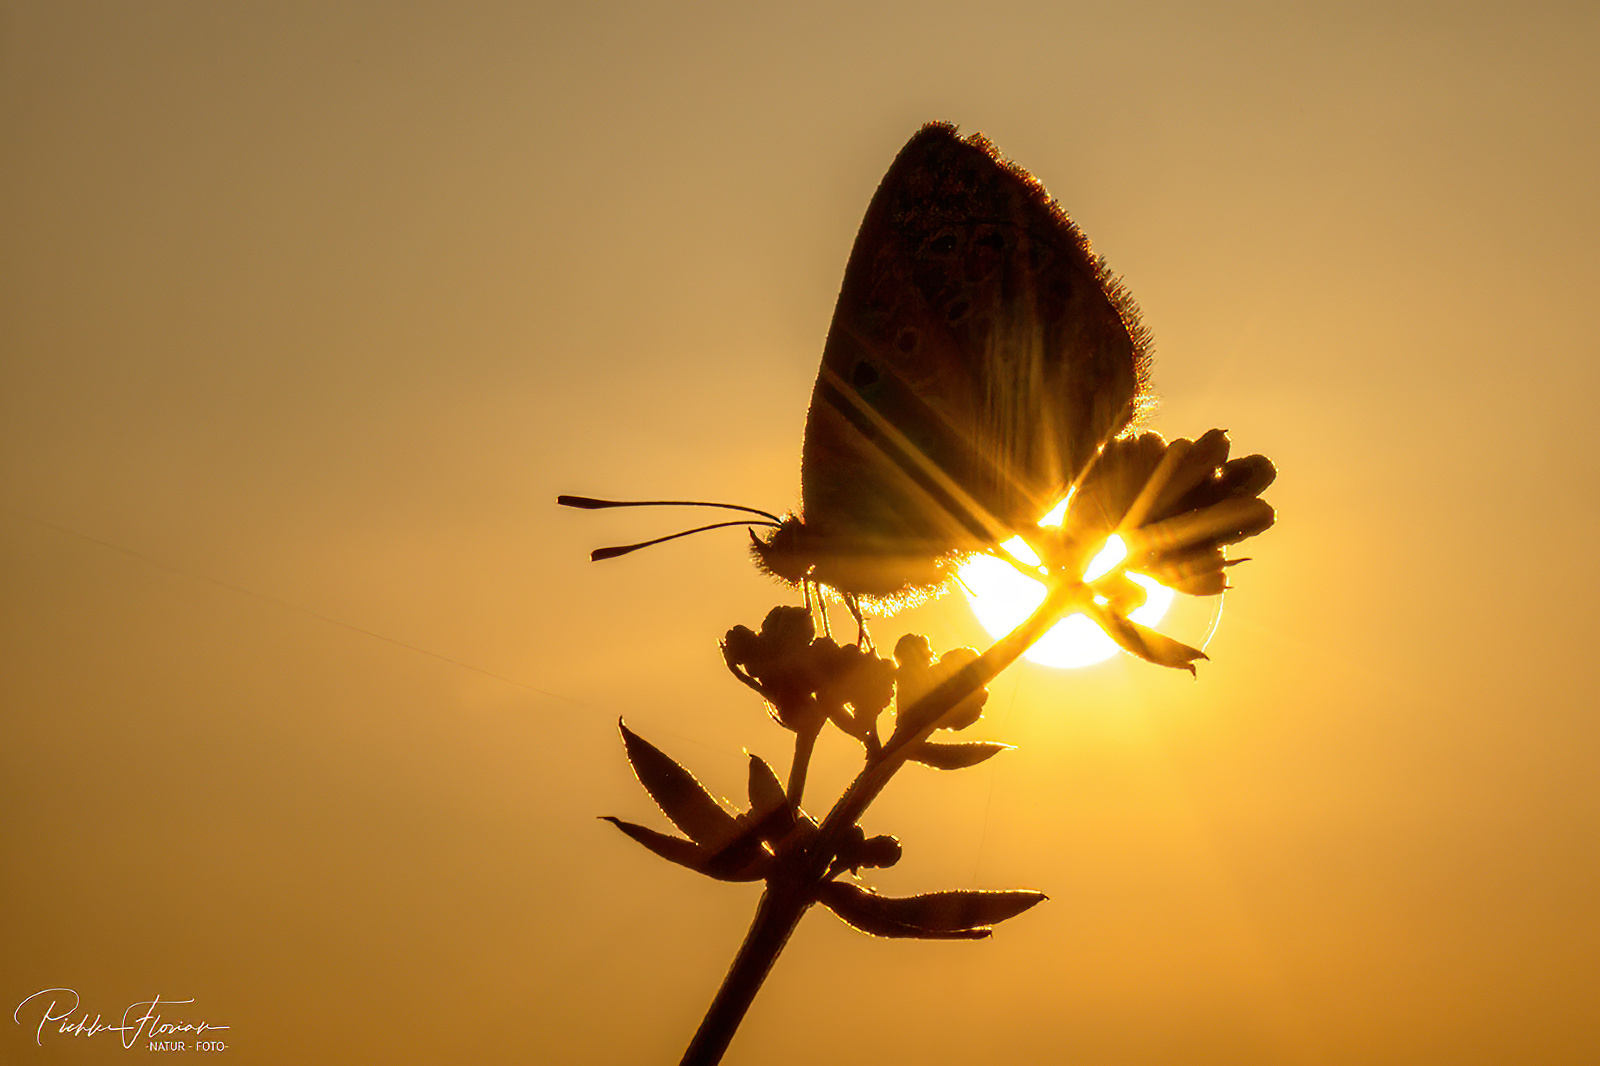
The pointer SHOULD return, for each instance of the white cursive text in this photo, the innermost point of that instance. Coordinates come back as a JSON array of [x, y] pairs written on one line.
[[62, 1003]]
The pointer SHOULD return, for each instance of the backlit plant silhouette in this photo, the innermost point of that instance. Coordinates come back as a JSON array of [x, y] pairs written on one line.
[[1173, 508]]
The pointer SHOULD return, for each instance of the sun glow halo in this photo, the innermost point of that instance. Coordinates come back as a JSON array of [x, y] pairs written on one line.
[[1002, 597]]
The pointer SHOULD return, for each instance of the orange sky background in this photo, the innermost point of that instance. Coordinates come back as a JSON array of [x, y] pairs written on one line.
[[310, 311]]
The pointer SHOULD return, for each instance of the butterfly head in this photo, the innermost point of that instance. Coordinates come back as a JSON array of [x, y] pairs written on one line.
[[883, 572], [788, 553]]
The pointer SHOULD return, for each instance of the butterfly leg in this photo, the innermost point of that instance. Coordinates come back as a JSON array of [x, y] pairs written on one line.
[[820, 604], [853, 602]]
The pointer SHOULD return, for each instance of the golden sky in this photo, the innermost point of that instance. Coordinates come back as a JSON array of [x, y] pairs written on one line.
[[310, 695]]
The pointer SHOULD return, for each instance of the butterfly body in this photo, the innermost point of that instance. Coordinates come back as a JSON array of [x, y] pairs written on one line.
[[978, 358]]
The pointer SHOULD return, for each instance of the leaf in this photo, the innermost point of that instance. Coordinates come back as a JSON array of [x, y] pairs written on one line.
[[961, 909], [770, 810], [588, 503], [933, 916], [680, 797], [673, 849], [859, 908], [766, 792], [1146, 643], [744, 863], [748, 862], [955, 756]]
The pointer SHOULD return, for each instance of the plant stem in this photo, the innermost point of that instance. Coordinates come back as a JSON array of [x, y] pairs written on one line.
[[804, 744], [930, 709], [780, 910], [791, 890]]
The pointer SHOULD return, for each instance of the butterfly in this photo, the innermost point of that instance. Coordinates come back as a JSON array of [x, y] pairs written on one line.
[[979, 357]]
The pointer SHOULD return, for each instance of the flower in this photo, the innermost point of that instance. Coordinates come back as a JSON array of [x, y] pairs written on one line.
[[777, 663], [919, 673], [1173, 508], [850, 676], [806, 679]]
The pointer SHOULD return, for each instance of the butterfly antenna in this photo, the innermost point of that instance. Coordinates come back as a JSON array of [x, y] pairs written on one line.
[[589, 503], [624, 549]]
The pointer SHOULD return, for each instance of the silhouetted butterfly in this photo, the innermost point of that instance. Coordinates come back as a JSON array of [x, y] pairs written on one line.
[[979, 356]]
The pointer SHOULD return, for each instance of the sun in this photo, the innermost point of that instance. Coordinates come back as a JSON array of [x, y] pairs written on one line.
[[1002, 597]]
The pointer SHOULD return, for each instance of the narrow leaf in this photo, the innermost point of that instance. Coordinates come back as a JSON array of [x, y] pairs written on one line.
[[770, 810], [1147, 644], [962, 909], [955, 756], [863, 910], [673, 849], [742, 860], [744, 863], [680, 797], [766, 791]]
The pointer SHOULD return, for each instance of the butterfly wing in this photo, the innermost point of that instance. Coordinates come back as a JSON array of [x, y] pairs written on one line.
[[979, 356]]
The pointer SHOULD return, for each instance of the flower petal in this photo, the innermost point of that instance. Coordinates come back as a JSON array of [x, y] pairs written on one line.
[[1248, 476], [1226, 522], [1195, 476], [1195, 572]]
